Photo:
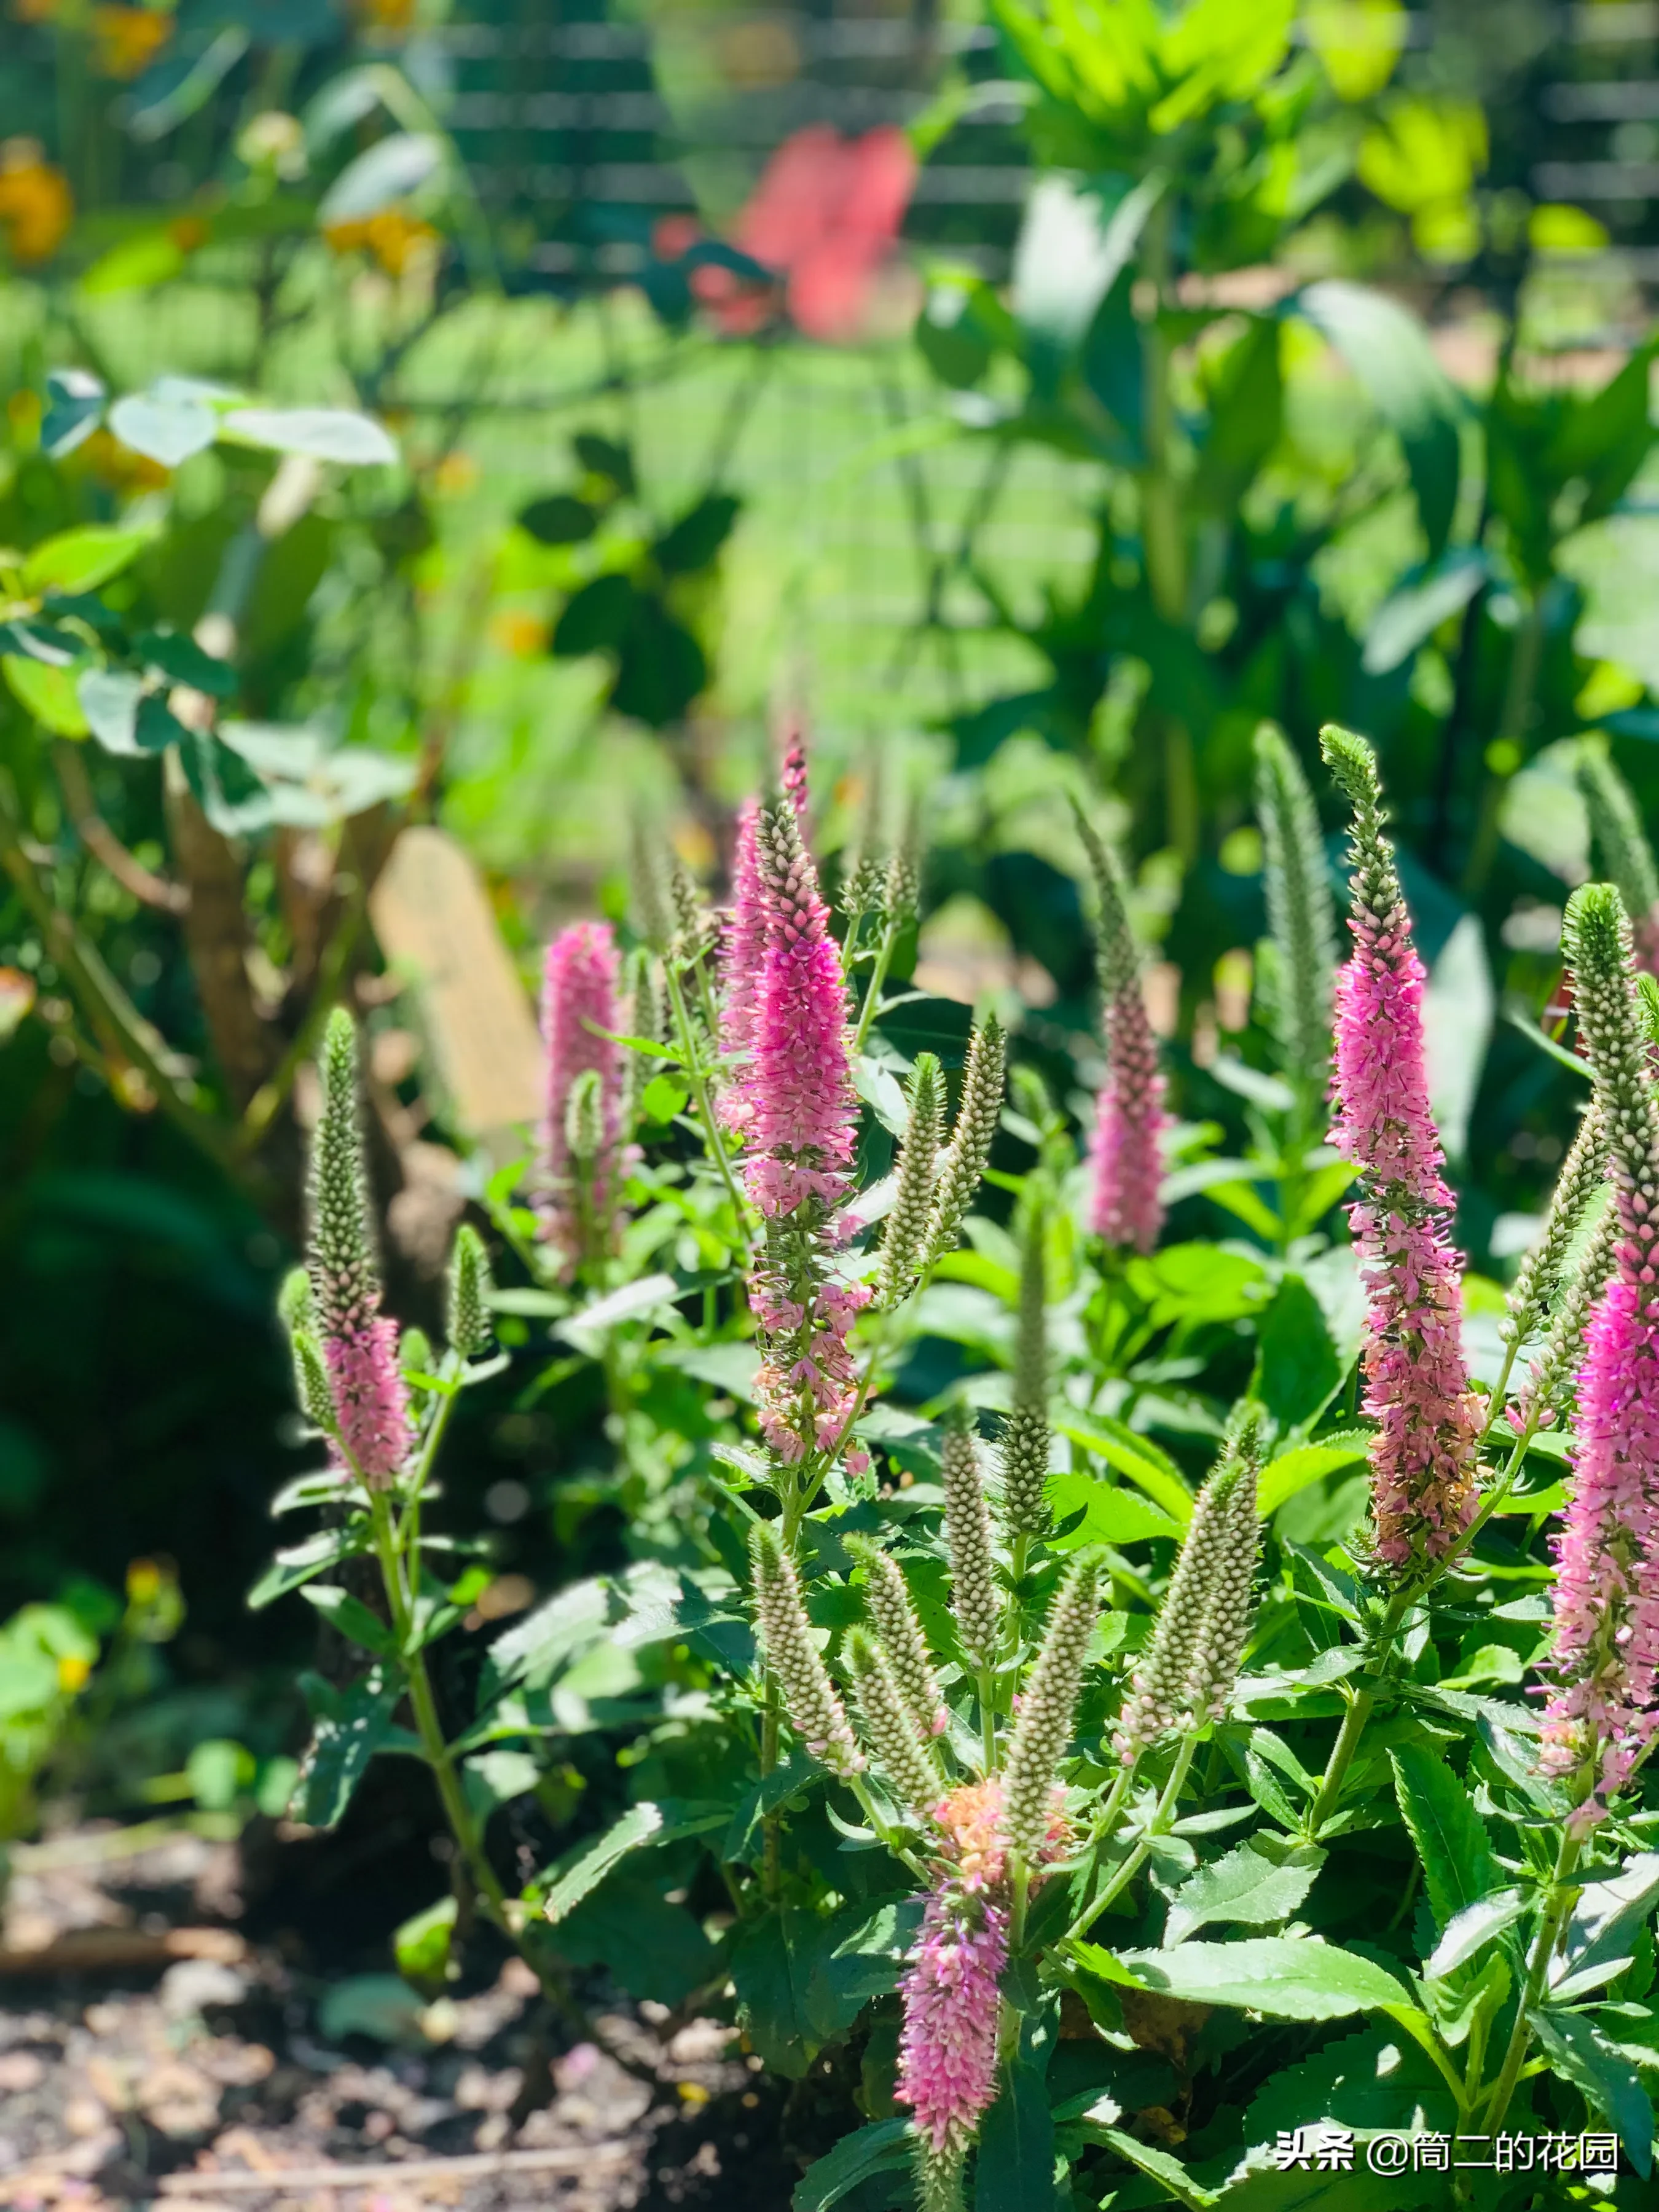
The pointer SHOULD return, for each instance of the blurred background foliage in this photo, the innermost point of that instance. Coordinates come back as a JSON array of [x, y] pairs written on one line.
[[440, 439]]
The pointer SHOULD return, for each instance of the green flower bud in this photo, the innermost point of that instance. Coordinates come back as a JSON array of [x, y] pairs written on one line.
[[1582, 1177], [905, 1648], [1198, 1620], [906, 1227], [345, 1277], [584, 1119], [968, 1542], [1025, 1439], [963, 1161], [816, 1713], [468, 1294], [913, 1772], [1047, 1706]]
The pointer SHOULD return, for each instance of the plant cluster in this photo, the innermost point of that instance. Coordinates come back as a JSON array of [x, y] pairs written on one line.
[[956, 1750]]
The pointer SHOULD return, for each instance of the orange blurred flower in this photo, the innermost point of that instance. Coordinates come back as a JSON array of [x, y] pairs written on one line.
[[128, 40], [35, 11], [397, 240], [36, 203], [387, 15]]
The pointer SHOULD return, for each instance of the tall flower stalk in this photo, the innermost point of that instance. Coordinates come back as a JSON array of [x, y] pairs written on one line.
[[1126, 1153], [797, 1114], [1416, 1386], [1604, 1653], [359, 1345]]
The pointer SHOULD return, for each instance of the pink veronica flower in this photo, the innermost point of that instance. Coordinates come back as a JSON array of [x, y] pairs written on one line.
[[1605, 1654], [1125, 1155], [948, 2047], [579, 989], [370, 1400], [797, 1111], [1417, 1388]]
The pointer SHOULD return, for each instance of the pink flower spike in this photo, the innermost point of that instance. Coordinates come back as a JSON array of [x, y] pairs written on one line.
[[1422, 1458], [579, 997], [370, 1402], [948, 2047], [1125, 1154], [1604, 1656]]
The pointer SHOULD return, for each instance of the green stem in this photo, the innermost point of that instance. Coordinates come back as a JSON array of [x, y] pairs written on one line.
[[698, 1080], [878, 977], [1162, 1817], [1363, 1697], [1561, 1899], [1360, 1703], [890, 1837], [988, 1717]]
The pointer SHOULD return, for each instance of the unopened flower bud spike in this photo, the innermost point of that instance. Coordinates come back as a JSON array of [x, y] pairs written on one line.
[[1025, 1439], [1538, 1280], [906, 1228], [973, 1572], [908, 1763], [963, 1159], [1048, 1706], [1158, 1689], [816, 1713], [359, 1345], [470, 1286], [888, 1600]]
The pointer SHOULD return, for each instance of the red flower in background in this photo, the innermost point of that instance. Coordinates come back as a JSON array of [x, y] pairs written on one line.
[[824, 218]]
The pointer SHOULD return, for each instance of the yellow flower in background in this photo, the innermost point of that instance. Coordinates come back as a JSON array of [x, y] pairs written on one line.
[[387, 15], [518, 633], [73, 1672], [126, 40], [36, 204], [456, 473], [396, 239]]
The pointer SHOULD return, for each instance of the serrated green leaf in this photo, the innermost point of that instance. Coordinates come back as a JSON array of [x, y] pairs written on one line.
[[879, 2147], [582, 1870], [1476, 1924], [1278, 1975], [1136, 1456], [1254, 1885], [348, 1728], [1458, 1866]]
